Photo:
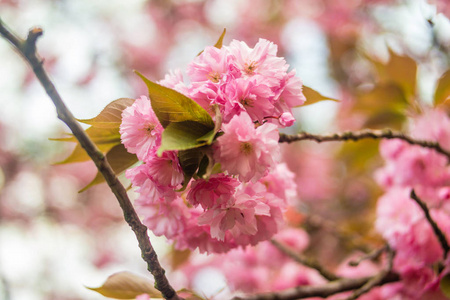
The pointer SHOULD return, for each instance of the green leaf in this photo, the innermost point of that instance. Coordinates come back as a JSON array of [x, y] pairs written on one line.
[[313, 96], [104, 139], [400, 70], [111, 115], [171, 106], [383, 106], [179, 257], [219, 42], [203, 166], [185, 135], [190, 160], [445, 285], [442, 93], [126, 285], [119, 159], [79, 154], [358, 155]]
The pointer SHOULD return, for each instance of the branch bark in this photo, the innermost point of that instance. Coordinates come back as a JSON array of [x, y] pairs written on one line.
[[437, 231], [27, 48], [326, 290], [308, 262], [363, 134], [375, 280]]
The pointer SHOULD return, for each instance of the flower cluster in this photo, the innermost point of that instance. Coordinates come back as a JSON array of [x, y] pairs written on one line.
[[239, 200], [262, 268], [400, 220]]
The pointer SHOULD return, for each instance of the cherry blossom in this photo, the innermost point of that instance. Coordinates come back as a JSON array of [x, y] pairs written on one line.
[[140, 130], [245, 151]]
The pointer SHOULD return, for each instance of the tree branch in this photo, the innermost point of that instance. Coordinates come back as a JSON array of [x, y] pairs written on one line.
[[27, 48], [363, 134], [326, 290], [437, 231], [304, 260], [375, 280], [372, 255]]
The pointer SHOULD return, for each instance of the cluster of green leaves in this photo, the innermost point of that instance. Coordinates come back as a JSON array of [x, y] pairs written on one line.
[[394, 94], [188, 128], [104, 132]]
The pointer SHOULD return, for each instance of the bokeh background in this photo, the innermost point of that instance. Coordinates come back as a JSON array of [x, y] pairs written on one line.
[[55, 241]]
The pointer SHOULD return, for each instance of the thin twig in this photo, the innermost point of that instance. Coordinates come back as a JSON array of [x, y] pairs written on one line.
[[372, 255], [363, 134], [27, 48], [375, 280], [325, 290], [304, 260], [437, 231]]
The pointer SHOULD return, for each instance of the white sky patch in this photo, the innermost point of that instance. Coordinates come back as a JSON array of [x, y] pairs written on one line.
[[308, 55], [222, 13], [209, 282]]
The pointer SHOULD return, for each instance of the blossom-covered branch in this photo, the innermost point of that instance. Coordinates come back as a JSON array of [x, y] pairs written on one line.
[[363, 134], [437, 231], [326, 290], [304, 260], [27, 48]]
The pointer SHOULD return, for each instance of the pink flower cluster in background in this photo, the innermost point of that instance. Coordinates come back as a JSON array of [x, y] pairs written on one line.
[[400, 220], [237, 202]]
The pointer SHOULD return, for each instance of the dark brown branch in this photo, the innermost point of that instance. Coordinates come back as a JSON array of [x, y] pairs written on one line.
[[363, 134], [326, 290], [304, 260], [375, 280], [437, 231], [27, 48]]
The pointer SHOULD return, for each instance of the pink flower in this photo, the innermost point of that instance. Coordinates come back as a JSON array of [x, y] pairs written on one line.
[[217, 191], [140, 130], [210, 65], [408, 165], [403, 224], [149, 189], [286, 119], [433, 125], [238, 218], [174, 80], [165, 170], [245, 151], [291, 92], [281, 183], [143, 297], [163, 218], [249, 96], [198, 236], [261, 61]]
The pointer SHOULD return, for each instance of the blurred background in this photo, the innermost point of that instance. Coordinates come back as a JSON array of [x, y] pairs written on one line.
[[54, 240]]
